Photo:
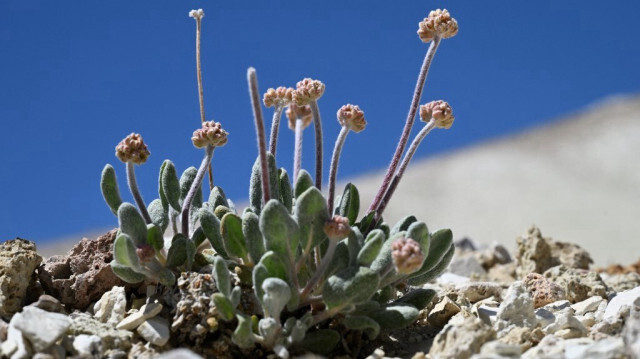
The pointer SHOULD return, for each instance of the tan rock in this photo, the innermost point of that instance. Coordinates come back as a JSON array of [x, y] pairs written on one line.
[[18, 261], [462, 340], [442, 312]]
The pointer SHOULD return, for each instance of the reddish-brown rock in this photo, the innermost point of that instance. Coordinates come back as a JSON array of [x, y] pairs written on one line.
[[83, 275]]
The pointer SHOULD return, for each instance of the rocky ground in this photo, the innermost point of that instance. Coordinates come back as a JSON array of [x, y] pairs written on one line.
[[543, 301]]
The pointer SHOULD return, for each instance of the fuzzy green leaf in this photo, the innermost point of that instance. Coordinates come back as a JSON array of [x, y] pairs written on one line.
[[217, 198], [365, 222], [419, 232], [198, 237], [279, 229], [234, 242], [340, 258], [371, 248], [131, 223], [286, 194], [220, 211], [320, 341], [166, 277], [211, 227], [223, 306], [384, 261], [177, 254], [163, 198], [270, 265], [435, 271], [418, 298], [439, 244], [349, 204], [395, 316], [311, 213], [352, 285], [186, 180], [243, 335], [124, 251], [159, 214], [109, 187], [253, 236], [125, 273], [255, 183], [222, 276], [303, 183], [403, 224], [154, 237], [355, 243], [360, 322], [171, 185], [276, 295]]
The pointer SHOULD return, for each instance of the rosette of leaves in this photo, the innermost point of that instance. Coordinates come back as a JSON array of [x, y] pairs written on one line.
[[295, 267]]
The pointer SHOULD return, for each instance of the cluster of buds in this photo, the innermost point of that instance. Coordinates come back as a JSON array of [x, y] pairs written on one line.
[[352, 117], [407, 255], [307, 90], [438, 23], [279, 97], [132, 149], [196, 14], [211, 133], [295, 112], [440, 111], [337, 228]]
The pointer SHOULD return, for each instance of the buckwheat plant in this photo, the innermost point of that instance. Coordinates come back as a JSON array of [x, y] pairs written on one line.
[[315, 266]]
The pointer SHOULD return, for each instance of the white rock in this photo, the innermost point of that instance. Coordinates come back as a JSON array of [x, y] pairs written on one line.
[[588, 320], [451, 278], [39, 327], [155, 331], [16, 347], [466, 266], [501, 349], [631, 333], [89, 346], [134, 320], [556, 306], [577, 348], [487, 313], [516, 310], [476, 291], [566, 326], [623, 299], [442, 312], [544, 317], [181, 353], [587, 305], [112, 306]]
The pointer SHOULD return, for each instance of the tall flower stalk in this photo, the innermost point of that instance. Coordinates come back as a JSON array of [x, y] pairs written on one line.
[[278, 99], [435, 114], [438, 25], [133, 151], [351, 118], [299, 117], [198, 15], [307, 92], [252, 79]]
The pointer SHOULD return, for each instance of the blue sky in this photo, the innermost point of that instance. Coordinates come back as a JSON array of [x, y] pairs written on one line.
[[75, 78]]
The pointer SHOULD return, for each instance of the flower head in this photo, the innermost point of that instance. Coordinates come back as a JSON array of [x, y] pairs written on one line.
[[438, 110], [352, 117], [337, 228], [211, 133], [278, 97], [295, 112], [407, 255], [307, 90], [438, 23], [145, 253], [196, 14], [132, 149]]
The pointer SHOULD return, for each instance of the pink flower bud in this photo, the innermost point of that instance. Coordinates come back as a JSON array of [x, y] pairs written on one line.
[[407, 255], [438, 23], [132, 149], [438, 110], [211, 133], [337, 228], [307, 90], [352, 117], [278, 97], [295, 112]]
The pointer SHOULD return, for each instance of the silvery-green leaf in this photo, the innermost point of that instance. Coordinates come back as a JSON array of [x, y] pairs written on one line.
[[222, 276], [223, 306], [131, 223], [171, 185], [311, 213], [403, 224], [350, 286], [349, 204], [109, 187], [360, 322], [125, 273], [371, 249], [243, 335], [395, 316], [276, 295], [124, 251]]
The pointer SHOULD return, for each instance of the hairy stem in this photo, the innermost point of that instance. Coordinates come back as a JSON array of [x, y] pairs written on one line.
[[275, 126], [133, 187], [317, 124], [195, 186], [404, 138], [403, 166], [252, 78], [333, 170], [200, 88], [297, 154], [326, 260]]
